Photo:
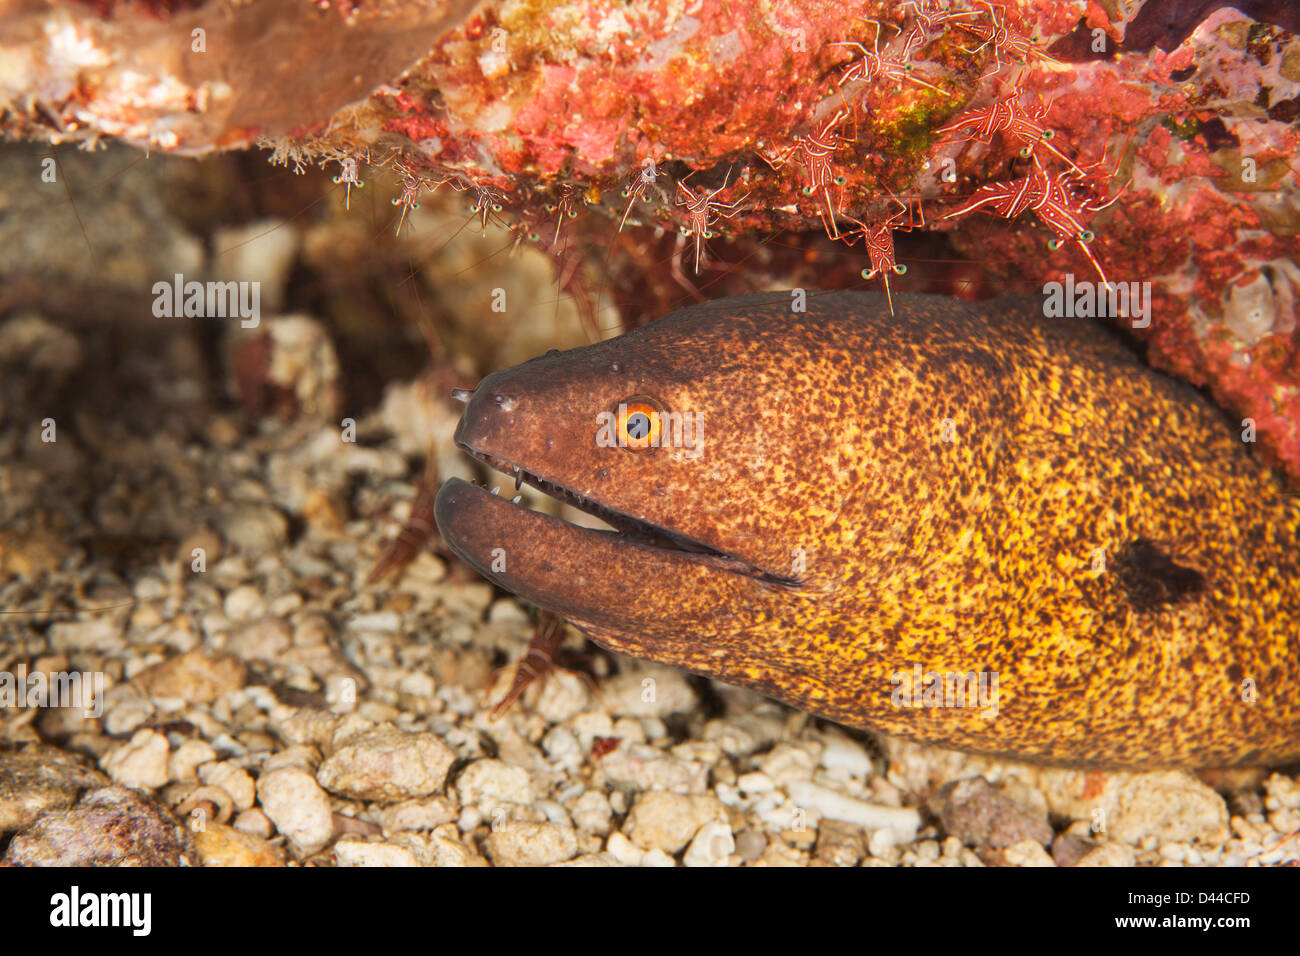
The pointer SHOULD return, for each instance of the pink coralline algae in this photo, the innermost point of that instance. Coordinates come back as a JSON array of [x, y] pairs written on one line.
[[1032, 138]]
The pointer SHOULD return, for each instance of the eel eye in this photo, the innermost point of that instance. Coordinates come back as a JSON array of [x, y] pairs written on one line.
[[639, 422]]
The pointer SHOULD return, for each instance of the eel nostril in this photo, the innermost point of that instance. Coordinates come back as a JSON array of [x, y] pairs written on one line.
[[505, 402]]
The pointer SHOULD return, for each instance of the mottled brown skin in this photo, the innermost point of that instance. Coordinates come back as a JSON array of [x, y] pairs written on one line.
[[825, 431]]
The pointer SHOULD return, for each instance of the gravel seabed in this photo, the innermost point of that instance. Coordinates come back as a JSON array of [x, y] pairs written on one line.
[[264, 705], [288, 712]]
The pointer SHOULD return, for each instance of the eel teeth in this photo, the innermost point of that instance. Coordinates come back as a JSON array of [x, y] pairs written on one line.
[[516, 499], [496, 489], [462, 395]]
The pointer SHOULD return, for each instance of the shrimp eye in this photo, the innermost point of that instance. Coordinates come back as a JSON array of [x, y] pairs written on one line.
[[1026, 152], [1053, 244], [496, 207], [840, 180], [900, 270], [573, 214], [807, 191], [867, 273], [1048, 133], [639, 423], [534, 237], [549, 207]]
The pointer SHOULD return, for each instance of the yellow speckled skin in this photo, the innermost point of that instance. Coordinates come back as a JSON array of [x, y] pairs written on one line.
[[960, 487]]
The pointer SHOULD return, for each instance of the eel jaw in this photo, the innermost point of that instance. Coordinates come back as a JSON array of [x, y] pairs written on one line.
[[627, 593], [628, 530]]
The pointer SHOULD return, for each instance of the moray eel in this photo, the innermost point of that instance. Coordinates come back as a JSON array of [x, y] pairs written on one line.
[[966, 524]]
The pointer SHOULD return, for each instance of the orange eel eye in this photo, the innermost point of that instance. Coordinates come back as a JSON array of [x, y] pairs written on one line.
[[639, 422]]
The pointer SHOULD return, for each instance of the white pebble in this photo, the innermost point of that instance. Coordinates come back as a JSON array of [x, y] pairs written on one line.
[[755, 782], [233, 779], [1027, 853], [351, 851], [485, 783], [141, 763], [1174, 851], [387, 622], [244, 603], [881, 841], [516, 843], [102, 633], [386, 764], [591, 812], [904, 821], [841, 753], [624, 850], [185, 760], [712, 846], [298, 807], [255, 822]]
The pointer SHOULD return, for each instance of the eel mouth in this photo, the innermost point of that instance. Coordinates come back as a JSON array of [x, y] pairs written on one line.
[[625, 529]]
